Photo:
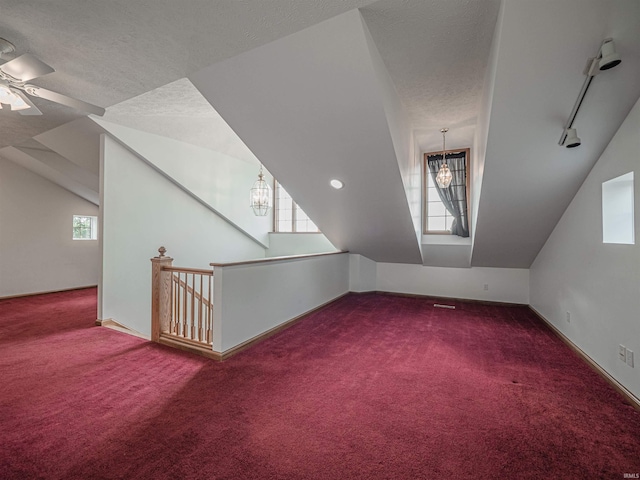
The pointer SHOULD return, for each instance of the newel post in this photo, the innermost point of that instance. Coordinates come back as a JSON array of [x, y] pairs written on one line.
[[160, 294]]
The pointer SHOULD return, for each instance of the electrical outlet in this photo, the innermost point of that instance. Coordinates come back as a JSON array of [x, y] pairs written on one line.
[[568, 317], [630, 357], [486, 286], [622, 353]]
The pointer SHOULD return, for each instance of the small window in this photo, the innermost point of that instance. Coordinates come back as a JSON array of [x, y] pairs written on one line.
[[437, 218], [85, 227], [617, 210], [289, 217]]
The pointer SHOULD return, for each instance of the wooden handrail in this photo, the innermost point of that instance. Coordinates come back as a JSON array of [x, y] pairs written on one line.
[[179, 311], [278, 259], [187, 270]]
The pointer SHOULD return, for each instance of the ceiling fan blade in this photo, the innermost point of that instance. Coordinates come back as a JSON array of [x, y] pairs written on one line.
[[32, 110], [64, 100], [26, 67]]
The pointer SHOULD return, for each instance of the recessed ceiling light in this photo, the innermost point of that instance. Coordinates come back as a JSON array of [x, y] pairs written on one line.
[[337, 184]]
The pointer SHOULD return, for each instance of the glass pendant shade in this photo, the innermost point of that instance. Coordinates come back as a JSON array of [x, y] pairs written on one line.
[[444, 177], [260, 196]]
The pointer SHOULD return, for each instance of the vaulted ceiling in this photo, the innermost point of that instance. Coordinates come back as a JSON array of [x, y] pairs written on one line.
[[502, 76]]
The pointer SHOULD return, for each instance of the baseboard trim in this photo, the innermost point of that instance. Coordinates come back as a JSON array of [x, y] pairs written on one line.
[[20, 295], [189, 347], [278, 328], [621, 389], [113, 325], [447, 299]]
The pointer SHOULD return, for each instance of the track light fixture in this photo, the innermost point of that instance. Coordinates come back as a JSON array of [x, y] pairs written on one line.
[[572, 139], [606, 59], [609, 57]]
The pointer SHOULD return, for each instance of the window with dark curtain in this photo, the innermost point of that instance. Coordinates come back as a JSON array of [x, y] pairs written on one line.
[[454, 197]]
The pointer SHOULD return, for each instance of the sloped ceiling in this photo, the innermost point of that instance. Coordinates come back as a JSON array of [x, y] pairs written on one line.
[[310, 106], [528, 178], [435, 51], [108, 52]]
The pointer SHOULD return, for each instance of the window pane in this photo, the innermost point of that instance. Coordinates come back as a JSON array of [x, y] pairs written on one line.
[[303, 222], [285, 214], [449, 222], [436, 218], [436, 209], [430, 183], [436, 224], [284, 226], [85, 228]]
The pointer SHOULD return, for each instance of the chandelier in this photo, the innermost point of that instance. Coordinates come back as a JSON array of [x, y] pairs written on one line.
[[444, 177], [260, 197]]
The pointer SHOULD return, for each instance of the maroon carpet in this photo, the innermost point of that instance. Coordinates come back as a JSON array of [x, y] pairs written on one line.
[[370, 387]]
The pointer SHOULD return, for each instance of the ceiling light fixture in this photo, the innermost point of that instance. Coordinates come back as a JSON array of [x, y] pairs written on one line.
[[609, 57], [337, 184], [443, 178], [606, 58], [260, 197], [572, 139], [11, 98]]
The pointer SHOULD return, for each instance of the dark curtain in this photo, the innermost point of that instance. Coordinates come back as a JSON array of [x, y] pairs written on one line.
[[454, 196]]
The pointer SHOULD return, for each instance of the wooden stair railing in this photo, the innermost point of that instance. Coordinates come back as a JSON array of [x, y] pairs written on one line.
[[182, 306]]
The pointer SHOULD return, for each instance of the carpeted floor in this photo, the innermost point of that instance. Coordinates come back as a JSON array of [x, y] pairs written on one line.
[[371, 387]]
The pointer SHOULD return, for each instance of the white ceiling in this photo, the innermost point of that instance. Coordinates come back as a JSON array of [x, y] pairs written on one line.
[[436, 53], [108, 52], [131, 56], [528, 178], [178, 111]]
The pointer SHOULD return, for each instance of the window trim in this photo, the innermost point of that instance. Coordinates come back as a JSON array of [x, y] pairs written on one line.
[[276, 209], [425, 202]]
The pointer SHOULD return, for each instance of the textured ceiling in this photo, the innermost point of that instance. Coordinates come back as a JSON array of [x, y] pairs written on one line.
[[178, 110], [436, 54], [108, 52], [125, 55]]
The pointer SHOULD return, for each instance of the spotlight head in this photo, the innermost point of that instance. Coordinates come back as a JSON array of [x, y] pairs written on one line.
[[610, 58], [572, 139]]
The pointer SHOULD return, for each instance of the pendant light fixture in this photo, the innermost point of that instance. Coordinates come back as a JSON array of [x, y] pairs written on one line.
[[260, 196], [444, 177]]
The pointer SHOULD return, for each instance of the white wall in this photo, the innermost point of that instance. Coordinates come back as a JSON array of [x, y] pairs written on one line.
[[281, 244], [510, 285], [319, 109], [220, 181], [599, 284], [400, 131], [479, 150], [362, 274], [37, 253], [142, 210], [251, 299]]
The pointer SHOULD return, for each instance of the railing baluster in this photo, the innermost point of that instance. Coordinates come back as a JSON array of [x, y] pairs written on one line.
[[200, 304], [193, 305], [210, 312], [184, 312], [172, 305], [187, 318], [176, 302]]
